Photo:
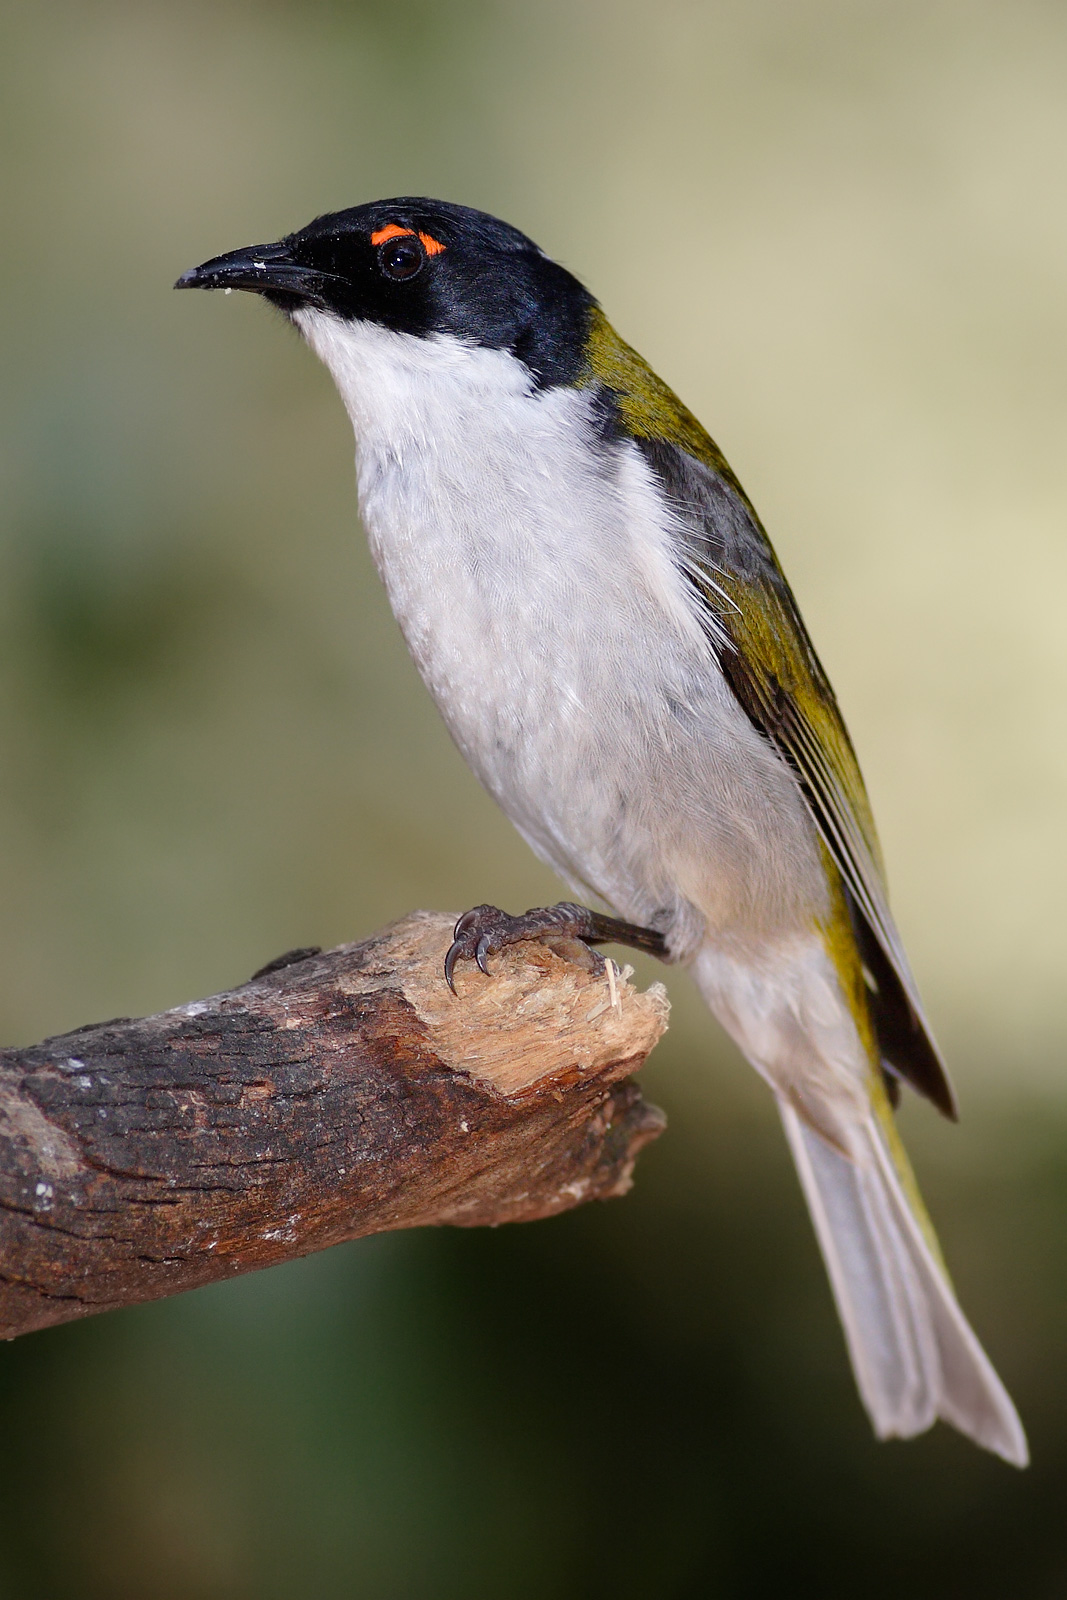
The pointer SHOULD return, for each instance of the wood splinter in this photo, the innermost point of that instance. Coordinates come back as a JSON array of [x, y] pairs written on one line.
[[337, 1095]]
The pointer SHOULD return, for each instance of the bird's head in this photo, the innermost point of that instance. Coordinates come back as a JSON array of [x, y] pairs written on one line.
[[425, 269]]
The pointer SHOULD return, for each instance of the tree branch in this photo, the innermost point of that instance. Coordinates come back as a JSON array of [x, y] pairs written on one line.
[[343, 1094]]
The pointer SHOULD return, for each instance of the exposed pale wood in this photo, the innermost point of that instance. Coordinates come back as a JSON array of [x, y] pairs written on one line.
[[346, 1094]]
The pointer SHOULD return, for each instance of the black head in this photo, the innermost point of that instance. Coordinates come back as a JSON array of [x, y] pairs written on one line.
[[422, 267]]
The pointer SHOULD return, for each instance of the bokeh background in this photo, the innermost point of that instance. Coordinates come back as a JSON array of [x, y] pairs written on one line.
[[838, 228]]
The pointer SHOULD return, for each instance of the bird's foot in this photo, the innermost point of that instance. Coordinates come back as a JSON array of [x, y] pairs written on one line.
[[486, 930]]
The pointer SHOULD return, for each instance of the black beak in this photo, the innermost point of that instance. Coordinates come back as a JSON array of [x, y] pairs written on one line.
[[268, 269]]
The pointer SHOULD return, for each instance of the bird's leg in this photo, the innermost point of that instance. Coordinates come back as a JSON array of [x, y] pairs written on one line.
[[486, 930]]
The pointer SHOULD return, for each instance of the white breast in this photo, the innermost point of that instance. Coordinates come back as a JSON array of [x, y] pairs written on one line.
[[530, 569]]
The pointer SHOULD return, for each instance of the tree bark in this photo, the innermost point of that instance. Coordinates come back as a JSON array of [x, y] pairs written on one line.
[[337, 1095]]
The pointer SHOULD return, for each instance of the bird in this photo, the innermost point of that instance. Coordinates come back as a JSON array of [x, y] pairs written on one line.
[[591, 599]]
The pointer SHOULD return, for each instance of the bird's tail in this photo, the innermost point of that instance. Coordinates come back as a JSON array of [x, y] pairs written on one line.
[[913, 1352]]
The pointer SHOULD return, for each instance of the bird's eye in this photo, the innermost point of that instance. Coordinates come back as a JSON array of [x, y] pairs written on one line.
[[401, 258]]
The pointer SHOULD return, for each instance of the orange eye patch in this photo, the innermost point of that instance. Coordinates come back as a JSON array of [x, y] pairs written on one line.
[[432, 246]]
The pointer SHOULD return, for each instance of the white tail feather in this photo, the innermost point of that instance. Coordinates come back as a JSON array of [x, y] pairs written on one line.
[[913, 1352]]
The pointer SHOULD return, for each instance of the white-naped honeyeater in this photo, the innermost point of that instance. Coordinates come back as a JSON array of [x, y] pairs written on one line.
[[593, 603]]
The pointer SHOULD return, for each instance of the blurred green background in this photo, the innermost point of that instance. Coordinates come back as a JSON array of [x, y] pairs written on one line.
[[838, 228]]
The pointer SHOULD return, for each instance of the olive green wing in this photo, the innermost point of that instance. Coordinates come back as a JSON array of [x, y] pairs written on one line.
[[770, 664], [768, 659]]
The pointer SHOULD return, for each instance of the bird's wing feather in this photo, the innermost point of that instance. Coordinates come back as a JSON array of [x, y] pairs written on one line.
[[770, 663]]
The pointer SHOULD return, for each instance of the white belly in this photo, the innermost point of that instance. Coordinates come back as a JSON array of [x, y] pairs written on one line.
[[532, 577]]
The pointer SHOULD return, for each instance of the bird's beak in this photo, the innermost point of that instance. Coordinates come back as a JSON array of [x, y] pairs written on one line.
[[268, 269]]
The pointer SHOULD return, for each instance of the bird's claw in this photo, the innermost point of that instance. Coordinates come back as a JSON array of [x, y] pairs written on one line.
[[486, 930], [479, 934]]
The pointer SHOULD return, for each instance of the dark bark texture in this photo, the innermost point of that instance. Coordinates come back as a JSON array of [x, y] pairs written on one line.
[[342, 1094]]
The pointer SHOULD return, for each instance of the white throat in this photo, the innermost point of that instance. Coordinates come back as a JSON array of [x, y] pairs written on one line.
[[465, 467], [396, 385]]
